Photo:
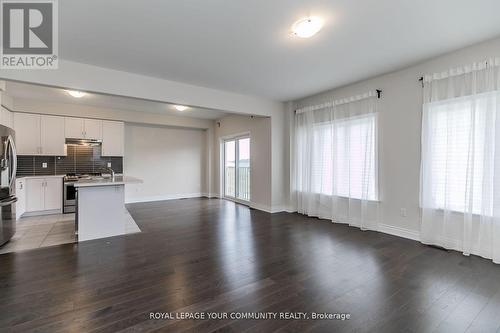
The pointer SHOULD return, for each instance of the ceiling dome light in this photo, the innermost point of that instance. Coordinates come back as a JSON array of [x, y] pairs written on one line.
[[307, 27], [180, 107], [76, 94]]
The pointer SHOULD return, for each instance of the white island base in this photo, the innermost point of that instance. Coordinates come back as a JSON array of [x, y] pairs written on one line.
[[101, 208]]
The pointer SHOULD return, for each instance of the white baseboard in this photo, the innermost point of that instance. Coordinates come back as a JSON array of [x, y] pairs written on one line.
[[42, 212], [279, 209], [258, 206], [268, 209], [398, 231], [210, 195], [164, 197]]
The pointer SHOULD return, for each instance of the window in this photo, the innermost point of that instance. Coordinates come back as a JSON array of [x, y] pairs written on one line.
[[343, 158], [458, 133], [237, 168]]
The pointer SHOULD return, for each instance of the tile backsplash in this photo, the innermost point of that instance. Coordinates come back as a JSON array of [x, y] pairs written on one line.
[[79, 159]]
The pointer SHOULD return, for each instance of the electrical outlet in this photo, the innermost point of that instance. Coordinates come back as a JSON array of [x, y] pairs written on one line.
[[403, 212], [109, 164], [44, 165]]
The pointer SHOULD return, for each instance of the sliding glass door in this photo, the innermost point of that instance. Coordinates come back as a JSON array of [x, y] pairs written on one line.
[[237, 168]]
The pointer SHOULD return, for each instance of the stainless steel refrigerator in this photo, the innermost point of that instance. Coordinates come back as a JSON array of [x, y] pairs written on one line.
[[8, 165]]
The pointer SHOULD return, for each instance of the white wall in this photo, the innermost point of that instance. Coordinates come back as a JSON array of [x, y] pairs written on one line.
[[170, 161], [399, 134], [260, 155], [279, 167]]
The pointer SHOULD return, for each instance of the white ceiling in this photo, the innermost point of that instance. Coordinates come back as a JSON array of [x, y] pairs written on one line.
[[245, 46], [57, 95]]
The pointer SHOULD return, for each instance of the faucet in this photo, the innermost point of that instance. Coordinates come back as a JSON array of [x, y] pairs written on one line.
[[112, 172]]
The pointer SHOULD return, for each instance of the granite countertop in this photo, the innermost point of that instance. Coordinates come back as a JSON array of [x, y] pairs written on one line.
[[107, 181]]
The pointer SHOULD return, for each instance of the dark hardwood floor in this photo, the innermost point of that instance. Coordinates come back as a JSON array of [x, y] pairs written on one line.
[[202, 255]]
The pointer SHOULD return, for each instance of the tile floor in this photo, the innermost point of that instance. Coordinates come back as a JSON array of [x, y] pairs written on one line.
[[47, 230]]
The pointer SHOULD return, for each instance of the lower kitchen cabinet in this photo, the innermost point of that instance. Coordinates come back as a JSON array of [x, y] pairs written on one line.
[[43, 194], [53, 193]]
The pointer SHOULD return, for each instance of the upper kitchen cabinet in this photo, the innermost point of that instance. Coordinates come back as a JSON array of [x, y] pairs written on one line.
[[39, 134], [6, 117], [93, 129], [52, 137], [27, 127], [74, 128], [112, 138], [79, 128]]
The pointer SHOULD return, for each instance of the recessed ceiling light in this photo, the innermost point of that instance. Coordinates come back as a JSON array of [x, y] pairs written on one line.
[[76, 94], [307, 27], [180, 107]]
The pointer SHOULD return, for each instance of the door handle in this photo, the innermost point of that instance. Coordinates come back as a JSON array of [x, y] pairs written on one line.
[[11, 160], [5, 158], [8, 201]]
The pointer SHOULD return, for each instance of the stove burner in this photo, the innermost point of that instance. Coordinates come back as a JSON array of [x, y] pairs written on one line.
[[72, 177]]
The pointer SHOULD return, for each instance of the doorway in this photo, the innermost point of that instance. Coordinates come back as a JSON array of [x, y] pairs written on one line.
[[237, 169]]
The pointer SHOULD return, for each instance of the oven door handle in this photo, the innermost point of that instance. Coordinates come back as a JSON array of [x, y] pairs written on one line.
[[7, 202]]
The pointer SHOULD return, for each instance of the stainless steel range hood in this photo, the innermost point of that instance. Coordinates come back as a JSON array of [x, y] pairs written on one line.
[[83, 142]]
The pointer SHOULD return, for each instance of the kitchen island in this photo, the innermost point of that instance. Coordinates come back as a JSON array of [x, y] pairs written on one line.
[[100, 206]]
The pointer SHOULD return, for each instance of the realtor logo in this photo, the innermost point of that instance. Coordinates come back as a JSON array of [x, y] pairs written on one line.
[[29, 34]]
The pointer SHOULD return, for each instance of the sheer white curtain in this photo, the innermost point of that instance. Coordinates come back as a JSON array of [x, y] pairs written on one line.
[[460, 169], [335, 169]]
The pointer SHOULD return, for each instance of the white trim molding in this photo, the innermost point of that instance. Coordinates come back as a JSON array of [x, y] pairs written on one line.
[[400, 232], [210, 195], [258, 206]]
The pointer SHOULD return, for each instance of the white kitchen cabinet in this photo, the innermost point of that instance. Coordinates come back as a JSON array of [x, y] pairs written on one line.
[[27, 127], [39, 134], [113, 134], [21, 197], [74, 128], [80, 128], [52, 136], [43, 194], [53, 193], [35, 194], [6, 117], [93, 129]]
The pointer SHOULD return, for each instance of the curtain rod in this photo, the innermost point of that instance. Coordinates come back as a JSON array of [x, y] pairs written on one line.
[[341, 101], [480, 65]]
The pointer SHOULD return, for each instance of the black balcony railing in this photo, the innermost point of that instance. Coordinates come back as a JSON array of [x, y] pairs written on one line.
[[243, 190]]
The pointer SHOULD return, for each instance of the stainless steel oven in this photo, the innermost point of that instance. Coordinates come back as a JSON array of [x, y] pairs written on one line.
[[69, 190], [69, 197]]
